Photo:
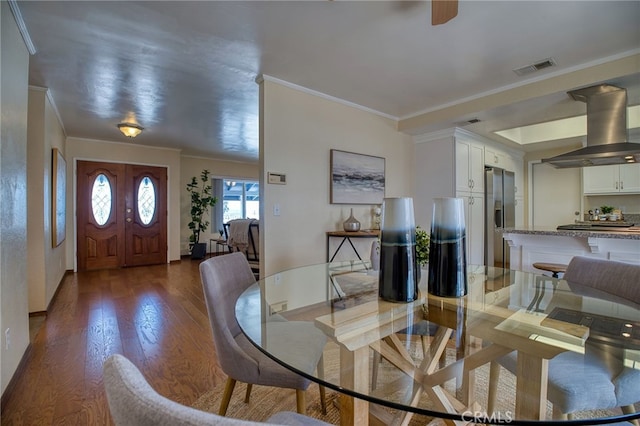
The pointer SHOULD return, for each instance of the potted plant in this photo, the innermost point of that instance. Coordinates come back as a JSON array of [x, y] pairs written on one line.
[[201, 200], [422, 246]]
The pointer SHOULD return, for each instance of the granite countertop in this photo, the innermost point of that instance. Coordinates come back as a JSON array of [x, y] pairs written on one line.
[[633, 234]]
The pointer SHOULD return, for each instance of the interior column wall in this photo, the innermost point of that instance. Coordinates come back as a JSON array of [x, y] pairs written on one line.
[[14, 314], [298, 130]]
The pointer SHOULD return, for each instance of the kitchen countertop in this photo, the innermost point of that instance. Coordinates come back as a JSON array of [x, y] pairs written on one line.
[[628, 234]]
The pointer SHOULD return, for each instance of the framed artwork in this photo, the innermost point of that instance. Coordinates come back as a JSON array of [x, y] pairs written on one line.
[[356, 178], [58, 198]]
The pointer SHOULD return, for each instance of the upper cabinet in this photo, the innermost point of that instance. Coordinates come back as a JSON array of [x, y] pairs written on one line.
[[469, 166], [615, 179], [496, 158]]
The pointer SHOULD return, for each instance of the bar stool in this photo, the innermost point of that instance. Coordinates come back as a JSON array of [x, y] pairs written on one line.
[[555, 269]]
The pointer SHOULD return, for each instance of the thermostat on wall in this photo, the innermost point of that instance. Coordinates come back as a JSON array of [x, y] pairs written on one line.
[[279, 178]]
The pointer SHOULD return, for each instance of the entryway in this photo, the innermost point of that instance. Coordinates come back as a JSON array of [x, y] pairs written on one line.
[[121, 215]]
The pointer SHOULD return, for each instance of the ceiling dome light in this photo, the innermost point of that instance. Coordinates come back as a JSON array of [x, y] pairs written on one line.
[[130, 130]]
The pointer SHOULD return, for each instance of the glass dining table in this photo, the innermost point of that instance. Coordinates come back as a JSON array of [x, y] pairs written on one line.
[[436, 356]]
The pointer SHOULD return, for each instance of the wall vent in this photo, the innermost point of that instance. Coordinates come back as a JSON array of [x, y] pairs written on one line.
[[540, 65]]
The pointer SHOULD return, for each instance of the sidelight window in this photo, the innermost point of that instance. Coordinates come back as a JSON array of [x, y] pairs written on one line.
[[101, 199], [146, 200]]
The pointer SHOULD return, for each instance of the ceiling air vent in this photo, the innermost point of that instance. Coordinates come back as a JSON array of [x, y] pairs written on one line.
[[540, 65]]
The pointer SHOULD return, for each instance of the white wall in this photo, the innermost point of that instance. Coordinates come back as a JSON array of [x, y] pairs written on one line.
[[298, 130], [193, 166], [117, 152], [435, 167], [14, 314], [46, 263], [555, 195]]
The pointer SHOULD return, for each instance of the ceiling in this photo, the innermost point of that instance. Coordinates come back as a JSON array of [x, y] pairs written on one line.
[[186, 71]]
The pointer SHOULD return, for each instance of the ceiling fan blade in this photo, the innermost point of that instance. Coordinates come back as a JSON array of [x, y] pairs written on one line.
[[443, 11]]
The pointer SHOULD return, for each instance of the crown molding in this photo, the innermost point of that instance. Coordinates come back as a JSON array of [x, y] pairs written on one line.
[[22, 27], [263, 77]]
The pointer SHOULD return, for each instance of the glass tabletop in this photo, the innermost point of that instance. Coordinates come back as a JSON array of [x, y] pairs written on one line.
[[433, 356]]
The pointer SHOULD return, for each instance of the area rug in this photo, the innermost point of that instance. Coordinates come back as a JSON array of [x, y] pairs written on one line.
[[267, 401]]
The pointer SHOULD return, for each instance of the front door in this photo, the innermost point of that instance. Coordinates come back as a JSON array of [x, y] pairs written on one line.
[[121, 214]]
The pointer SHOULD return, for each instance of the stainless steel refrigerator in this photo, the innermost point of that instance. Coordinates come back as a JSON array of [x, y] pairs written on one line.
[[499, 186]]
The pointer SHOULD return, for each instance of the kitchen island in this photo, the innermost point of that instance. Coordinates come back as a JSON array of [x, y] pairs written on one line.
[[528, 246]]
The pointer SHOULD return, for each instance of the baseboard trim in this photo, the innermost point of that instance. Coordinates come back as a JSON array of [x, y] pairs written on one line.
[[55, 294], [8, 392]]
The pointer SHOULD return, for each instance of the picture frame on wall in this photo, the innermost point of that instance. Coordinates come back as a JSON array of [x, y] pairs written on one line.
[[356, 178], [58, 198]]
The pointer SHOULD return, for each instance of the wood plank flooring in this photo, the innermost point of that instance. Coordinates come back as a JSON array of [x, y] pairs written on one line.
[[154, 315]]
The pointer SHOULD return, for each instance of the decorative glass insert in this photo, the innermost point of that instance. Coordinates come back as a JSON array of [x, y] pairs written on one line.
[[101, 199], [146, 200]]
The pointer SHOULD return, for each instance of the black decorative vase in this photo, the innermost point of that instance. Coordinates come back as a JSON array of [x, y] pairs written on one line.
[[398, 280], [447, 249]]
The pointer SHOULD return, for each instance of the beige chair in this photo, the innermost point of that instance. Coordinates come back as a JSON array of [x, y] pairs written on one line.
[[248, 242], [224, 278], [601, 384], [132, 401]]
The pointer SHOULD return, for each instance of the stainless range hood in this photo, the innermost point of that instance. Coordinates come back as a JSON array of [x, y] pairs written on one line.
[[607, 141]]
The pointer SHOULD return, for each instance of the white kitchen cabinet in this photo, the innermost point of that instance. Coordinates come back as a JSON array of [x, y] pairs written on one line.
[[474, 222], [624, 178], [496, 158], [519, 203], [518, 171], [451, 164], [469, 166]]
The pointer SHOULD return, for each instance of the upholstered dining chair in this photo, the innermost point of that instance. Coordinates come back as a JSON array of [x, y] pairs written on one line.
[[133, 402], [224, 278], [602, 384]]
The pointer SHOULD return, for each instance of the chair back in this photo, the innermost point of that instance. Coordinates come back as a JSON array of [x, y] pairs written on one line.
[[224, 278], [253, 249], [607, 277], [132, 401]]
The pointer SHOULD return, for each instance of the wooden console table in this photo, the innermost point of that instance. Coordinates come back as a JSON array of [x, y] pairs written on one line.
[[347, 236]]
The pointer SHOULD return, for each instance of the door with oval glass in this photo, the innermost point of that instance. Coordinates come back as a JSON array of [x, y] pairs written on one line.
[[121, 214]]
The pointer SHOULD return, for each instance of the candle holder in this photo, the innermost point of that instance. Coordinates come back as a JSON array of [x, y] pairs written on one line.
[[447, 249], [398, 267]]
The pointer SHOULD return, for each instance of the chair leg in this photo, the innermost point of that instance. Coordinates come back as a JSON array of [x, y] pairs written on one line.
[[374, 369], [301, 403], [226, 397], [630, 409], [323, 399], [494, 376], [559, 415], [425, 345], [248, 393]]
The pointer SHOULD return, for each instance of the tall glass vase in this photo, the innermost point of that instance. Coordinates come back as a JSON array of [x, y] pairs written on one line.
[[447, 249], [398, 266]]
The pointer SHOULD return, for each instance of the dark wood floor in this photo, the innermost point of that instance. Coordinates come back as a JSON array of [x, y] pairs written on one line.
[[155, 316]]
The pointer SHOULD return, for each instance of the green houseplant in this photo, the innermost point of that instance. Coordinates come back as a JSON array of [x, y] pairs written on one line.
[[422, 246], [201, 200], [606, 209]]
